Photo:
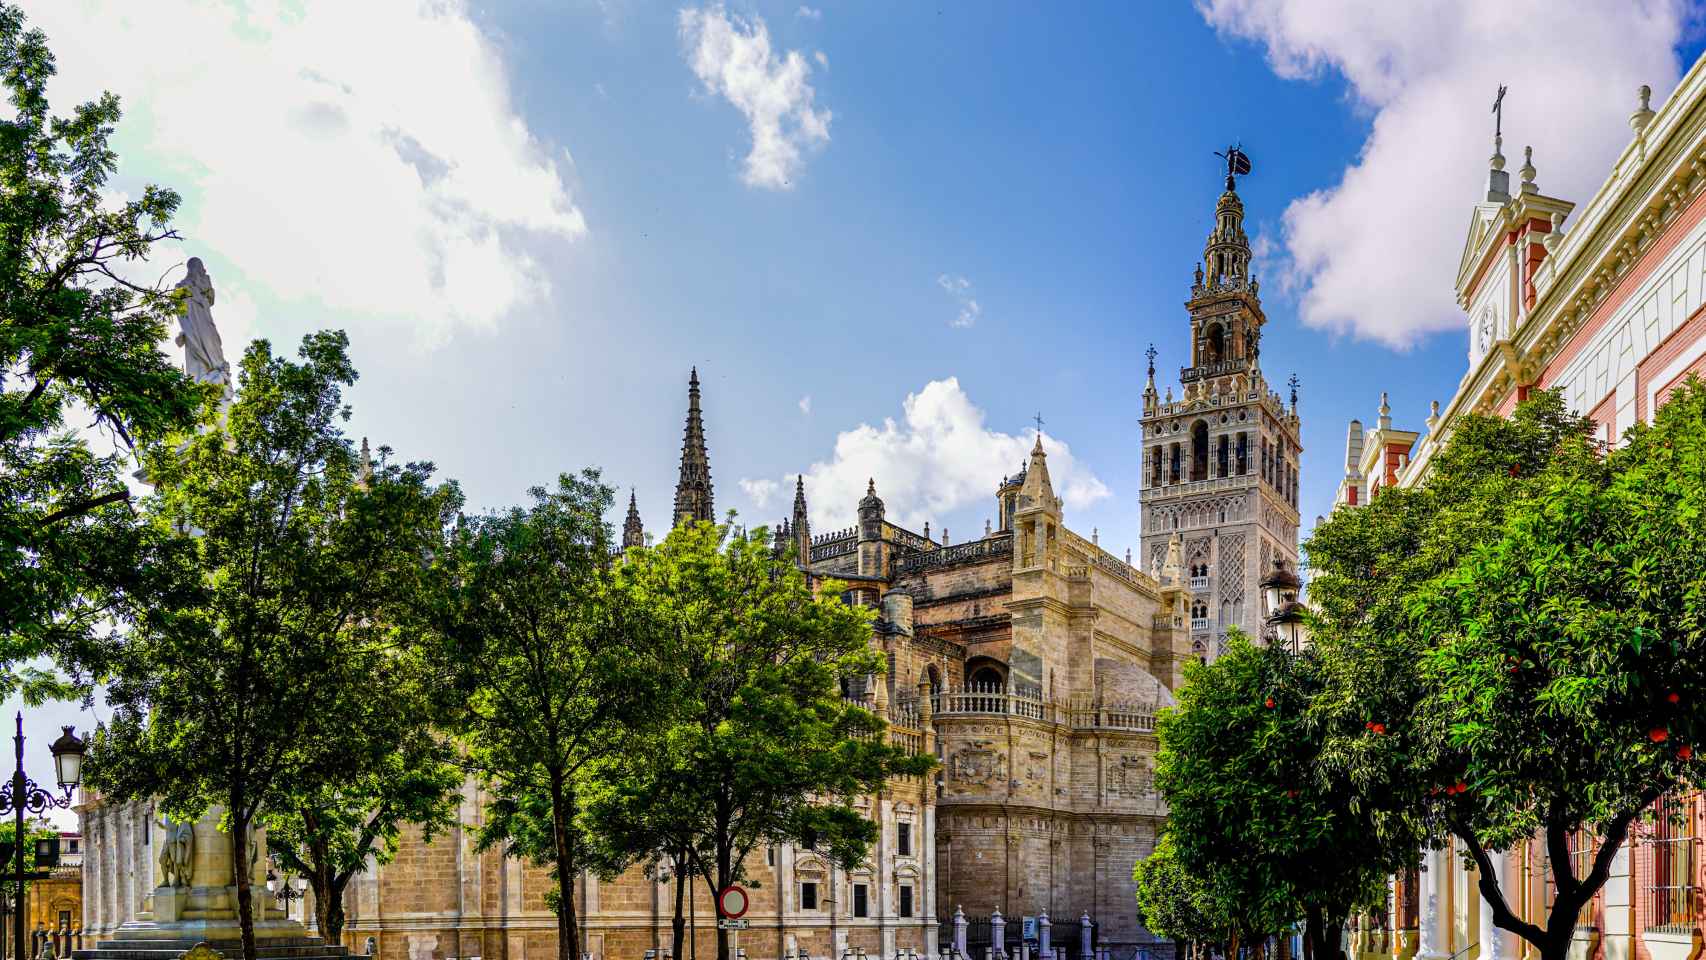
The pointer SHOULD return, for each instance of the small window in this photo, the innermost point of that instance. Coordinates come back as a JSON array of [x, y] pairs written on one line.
[[770, 856], [71, 846], [808, 896], [861, 900], [906, 899], [903, 839]]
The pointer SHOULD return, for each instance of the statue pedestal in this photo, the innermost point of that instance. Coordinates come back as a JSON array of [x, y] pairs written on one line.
[[206, 909]]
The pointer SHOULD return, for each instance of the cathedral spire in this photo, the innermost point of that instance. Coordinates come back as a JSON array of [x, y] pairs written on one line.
[[693, 490], [801, 526], [633, 534]]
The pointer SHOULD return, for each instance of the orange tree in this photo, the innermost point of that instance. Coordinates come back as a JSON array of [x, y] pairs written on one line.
[[1272, 836], [1527, 628]]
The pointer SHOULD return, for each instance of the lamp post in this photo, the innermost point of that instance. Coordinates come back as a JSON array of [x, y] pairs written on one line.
[[286, 890], [22, 794], [1285, 622]]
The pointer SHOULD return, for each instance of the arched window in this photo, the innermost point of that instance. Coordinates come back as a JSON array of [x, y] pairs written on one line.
[[1199, 450], [1216, 343]]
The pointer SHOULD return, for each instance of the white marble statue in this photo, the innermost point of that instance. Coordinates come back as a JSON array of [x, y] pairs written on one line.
[[204, 353]]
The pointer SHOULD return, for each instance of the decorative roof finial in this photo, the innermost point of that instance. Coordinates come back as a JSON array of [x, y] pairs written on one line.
[[1643, 115], [1528, 171], [1294, 383], [1433, 415], [1151, 354]]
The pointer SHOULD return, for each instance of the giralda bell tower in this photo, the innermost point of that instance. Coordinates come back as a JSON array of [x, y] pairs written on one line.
[[1219, 500]]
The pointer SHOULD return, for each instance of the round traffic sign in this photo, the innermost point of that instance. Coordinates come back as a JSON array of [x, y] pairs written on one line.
[[732, 902]]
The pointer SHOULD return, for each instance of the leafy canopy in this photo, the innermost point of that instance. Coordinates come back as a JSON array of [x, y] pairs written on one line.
[[78, 343], [295, 569], [1528, 626]]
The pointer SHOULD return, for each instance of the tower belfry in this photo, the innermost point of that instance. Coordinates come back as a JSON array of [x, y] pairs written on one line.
[[693, 490], [1220, 464]]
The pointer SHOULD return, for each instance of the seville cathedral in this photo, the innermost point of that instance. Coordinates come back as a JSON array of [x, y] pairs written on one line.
[[1030, 661]]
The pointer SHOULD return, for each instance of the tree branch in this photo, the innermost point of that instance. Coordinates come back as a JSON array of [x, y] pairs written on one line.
[[1495, 897], [84, 506]]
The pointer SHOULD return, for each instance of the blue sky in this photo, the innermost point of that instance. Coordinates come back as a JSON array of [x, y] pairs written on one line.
[[533, 217]]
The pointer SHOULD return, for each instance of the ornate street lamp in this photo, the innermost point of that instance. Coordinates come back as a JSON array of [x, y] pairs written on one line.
[[1285, 623], [286, 890], [23, 794]]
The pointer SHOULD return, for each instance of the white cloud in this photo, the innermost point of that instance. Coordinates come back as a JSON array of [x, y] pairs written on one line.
[[1375, 254], [806, 405], [733, 59], [822, 59], [808, 13], [959, 288], [598, 88], [387, 186], [759, 491], [938, 458]]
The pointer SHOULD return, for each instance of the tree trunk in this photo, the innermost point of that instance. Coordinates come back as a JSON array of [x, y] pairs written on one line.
[[725, 876], [1312, 933], [332, 911], [678, 923], [241, 866], [567, 947]]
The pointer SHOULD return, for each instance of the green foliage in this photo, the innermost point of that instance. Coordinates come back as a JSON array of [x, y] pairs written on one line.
[[76, 341], [1529, 627], [758, 746], [1269, 834], [1177, 901], [297, 571], [542, 650], [391, 768]]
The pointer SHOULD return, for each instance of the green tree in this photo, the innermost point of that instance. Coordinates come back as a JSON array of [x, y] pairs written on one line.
[[1529, 626], [1178, 902], [1249, 802], [392, 769], [552, 678], [300, 561], [77, 341], [759, 738]]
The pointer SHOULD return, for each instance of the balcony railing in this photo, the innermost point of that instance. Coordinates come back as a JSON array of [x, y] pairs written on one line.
[[1199, 583], [1081, 714]]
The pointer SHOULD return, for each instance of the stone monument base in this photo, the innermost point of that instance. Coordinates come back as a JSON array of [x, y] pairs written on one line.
[[124, 947]]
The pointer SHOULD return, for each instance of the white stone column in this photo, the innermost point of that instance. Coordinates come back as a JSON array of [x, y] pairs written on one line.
[[1498, 943], [1430, 901]]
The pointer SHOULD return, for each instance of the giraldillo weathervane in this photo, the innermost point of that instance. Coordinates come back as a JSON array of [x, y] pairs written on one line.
[[1237, 164]]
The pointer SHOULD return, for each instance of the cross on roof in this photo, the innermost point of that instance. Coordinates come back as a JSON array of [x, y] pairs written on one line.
[[1039, 419]]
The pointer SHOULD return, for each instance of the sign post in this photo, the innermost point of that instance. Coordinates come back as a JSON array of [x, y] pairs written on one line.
[[732, 903]]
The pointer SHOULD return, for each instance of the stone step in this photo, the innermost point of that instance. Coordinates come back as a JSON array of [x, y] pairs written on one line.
[[262, 949], [234, 952], [295, 948], [168, 953]]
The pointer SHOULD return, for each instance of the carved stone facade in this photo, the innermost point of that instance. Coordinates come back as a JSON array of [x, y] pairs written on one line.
[[1043, 660], [1220, 463]]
